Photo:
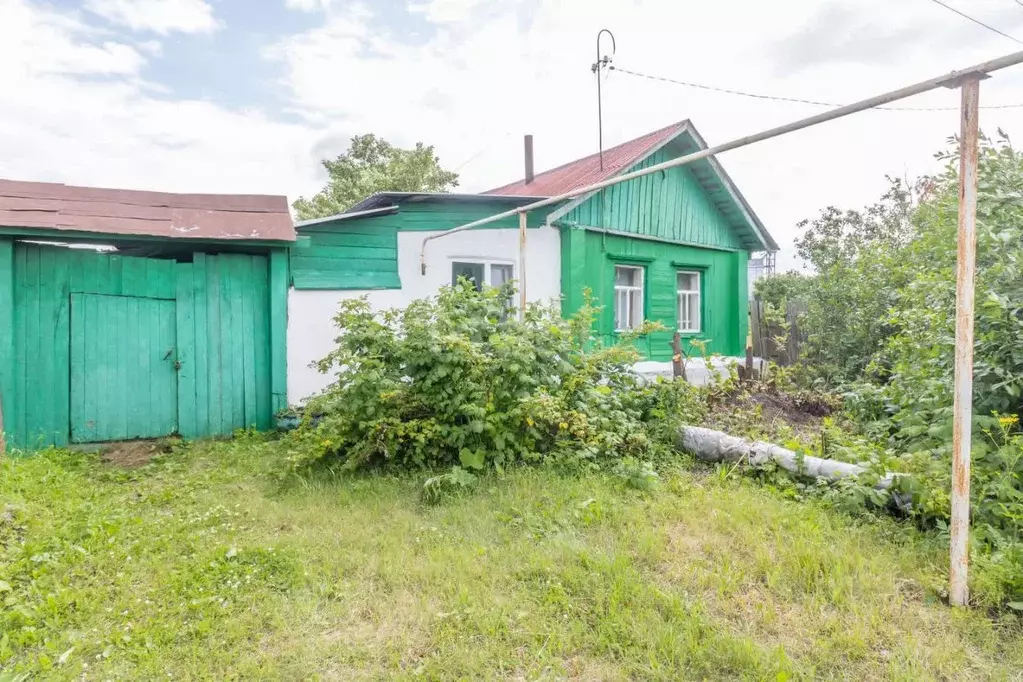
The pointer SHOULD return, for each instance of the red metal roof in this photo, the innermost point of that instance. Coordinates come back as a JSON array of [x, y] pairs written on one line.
[[54, 206], [586, 171]]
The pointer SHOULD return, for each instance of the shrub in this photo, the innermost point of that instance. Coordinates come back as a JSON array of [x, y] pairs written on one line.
[[880, 321], [457, 379]]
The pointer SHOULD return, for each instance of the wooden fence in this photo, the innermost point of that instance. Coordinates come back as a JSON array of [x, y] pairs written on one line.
[[774, 340]]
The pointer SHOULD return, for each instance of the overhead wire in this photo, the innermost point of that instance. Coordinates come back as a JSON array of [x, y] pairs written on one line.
[[797, 100], [989, 27]]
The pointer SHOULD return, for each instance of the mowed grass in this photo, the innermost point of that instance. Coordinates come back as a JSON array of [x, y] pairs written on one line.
[[202, 565]]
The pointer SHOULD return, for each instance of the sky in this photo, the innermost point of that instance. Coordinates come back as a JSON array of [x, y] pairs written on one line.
[[249, 95]]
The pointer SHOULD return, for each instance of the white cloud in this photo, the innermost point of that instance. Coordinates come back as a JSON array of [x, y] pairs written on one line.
[[108, 129], [444, 11], [159, 16], [490, 73], [308, 5]]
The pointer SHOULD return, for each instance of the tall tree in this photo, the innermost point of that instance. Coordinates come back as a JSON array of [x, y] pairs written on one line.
[[371, 165]]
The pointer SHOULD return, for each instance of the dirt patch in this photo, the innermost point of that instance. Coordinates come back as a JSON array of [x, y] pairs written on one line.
[[802, 411], [792, 409], [132, 454]]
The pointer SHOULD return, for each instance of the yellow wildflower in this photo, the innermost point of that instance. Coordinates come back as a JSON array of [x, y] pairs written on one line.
[[563, 426], [1008, 420], [529, 420]]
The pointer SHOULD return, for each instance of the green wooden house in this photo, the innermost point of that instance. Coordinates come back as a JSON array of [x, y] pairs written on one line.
[[127, 314], [672, 247]]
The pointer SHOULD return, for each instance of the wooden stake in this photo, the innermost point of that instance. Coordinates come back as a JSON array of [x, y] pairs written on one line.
[[678, 368]]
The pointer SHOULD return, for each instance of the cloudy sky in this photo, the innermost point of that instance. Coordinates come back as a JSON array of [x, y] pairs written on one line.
[[248, 95]]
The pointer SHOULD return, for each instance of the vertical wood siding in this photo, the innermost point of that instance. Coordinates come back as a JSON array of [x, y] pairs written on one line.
[[669, 205], [123, 382], [6, 332], [588, 260], [224, 316]]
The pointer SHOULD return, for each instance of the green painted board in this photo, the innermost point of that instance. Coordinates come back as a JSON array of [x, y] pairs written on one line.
[[278, 329], [7, 368], [185, 353], [117, 369], [201, 349]]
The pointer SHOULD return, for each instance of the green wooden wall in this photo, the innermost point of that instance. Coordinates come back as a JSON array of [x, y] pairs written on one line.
[[123, 379], [444, 215], [228, 327], [362, 253], [588, 259], [669, 205]]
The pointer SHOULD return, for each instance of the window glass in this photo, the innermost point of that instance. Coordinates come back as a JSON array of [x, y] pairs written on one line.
[[628, 301], [500, 274], [688, 293], [471, 271]]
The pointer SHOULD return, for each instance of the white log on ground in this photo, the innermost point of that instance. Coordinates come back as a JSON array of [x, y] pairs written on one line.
[[717, 446]]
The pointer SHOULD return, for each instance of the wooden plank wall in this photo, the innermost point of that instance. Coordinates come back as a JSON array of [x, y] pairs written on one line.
[[588, 261], [231, 320], [669, 205], [223, 320], [352, 254]]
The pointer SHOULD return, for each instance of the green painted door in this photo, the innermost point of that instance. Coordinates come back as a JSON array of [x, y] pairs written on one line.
[[123, 368]]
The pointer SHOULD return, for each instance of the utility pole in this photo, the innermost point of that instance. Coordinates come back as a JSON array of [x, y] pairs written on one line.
[[962, 409], [598, 66]]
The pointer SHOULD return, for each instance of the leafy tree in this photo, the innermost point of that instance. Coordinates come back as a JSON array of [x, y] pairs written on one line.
[[860, 268], [372, 165]]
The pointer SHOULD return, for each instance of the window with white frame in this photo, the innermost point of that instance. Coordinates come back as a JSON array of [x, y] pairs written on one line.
[[688, 291], [628, 297], [480, 273]]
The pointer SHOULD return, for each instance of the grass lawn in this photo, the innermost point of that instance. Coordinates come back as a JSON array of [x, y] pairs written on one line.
[[200, 565]]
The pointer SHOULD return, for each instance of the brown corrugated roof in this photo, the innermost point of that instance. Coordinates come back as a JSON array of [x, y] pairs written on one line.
[[587, 170], [54, 206]]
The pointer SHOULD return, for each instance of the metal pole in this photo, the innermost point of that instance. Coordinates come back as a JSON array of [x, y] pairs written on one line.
[[963, 400], [840, 112], [600, 115], [597, 66], [522, 267]]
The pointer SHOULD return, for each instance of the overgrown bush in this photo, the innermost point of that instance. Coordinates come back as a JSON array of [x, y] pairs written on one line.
[[881, 312], [457, 379]]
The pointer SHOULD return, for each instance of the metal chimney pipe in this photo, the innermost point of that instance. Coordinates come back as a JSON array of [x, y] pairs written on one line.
[[528, 142]]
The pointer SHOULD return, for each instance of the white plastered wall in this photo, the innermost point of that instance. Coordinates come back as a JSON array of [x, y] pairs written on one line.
[[311, 330]]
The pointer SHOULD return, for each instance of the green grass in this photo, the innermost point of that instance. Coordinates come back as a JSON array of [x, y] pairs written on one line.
[[201, 565]]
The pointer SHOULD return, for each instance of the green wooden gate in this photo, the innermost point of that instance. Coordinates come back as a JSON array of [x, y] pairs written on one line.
[[97, 347], [123, 368]]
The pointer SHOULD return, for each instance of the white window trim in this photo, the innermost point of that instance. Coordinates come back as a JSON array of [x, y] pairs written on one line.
[[688, 293], [487, 263], [631, 288]]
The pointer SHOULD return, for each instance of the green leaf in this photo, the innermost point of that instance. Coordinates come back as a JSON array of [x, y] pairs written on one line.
[[1015, 605], [5, 586], [471, 459]]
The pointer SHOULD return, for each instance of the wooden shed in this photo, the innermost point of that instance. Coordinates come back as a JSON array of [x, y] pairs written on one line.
[[130, 314]]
